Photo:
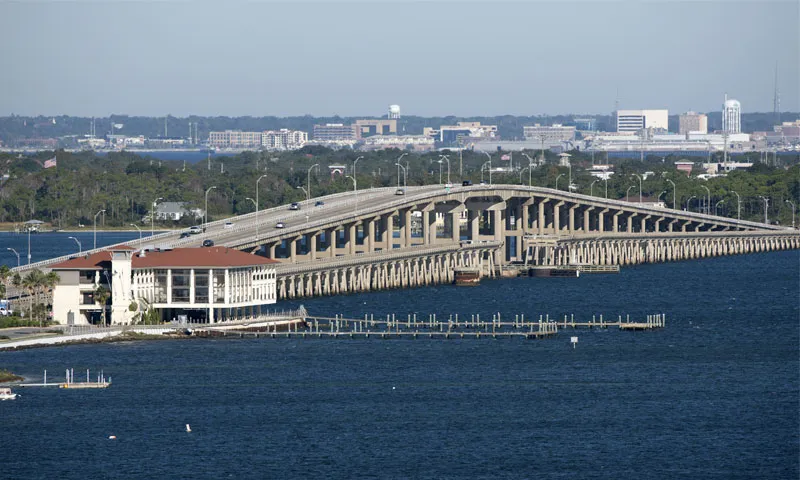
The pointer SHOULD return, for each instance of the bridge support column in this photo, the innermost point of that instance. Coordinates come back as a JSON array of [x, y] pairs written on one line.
[[455, 227], [272, 247], [312, 245], [388, 234], [293, 249], [557, 217], [572, 218], [370, 235], [541, 215], [587, 219], [615, 226], [406, 234], [330, 235], [474, 224], [351, 238]]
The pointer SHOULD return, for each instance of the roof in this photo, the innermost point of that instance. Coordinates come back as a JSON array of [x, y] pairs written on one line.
[[208, 257]]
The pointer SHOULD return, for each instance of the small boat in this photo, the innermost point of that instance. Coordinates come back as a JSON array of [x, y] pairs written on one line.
[[7, 394]]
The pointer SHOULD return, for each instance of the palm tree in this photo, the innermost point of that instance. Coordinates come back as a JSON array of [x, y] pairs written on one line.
[[5, 278], [30, 283], [101, 296]]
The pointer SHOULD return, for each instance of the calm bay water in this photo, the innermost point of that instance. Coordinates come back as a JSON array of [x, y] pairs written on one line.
[[56, 244], [713, 395]]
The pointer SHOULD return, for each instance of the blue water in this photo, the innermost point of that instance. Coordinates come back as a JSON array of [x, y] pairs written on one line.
[[56, 244], [714, 395]]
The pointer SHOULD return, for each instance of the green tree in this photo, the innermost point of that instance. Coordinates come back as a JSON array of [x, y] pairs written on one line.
[[101, 296]]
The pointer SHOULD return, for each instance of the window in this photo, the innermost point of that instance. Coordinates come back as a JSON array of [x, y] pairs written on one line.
[[180, 285], [219, 286], [201, 286], [160, 287]]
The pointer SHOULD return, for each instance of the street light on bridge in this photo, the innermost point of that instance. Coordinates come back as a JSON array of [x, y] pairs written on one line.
[[308, 181], [689, 200], [793, 208], [674, 194], [355, 189], [95, 232], [717, 205], [559, 176], [490, 167], [80, 249], [628, 191], [591, 188], [140, 232], [397, 162], [205, 224], [738, 206], [255, 205], [640, 185], [153, 216], [405, 175], [15, 253]]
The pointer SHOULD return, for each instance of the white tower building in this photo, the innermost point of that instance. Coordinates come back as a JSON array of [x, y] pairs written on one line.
[[394, 111], [731, 116]]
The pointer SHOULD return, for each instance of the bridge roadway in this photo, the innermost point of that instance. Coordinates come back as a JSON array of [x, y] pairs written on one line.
[[510, 214]]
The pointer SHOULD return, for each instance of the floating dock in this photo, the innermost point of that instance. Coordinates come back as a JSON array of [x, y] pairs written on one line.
[[451, 328], [101, 382]]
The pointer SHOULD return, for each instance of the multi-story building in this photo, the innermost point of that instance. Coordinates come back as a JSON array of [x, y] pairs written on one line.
[[636, 120], [549, 135], [334, 132], [203, 284], [366, 128], [284, 139], [731, 116], [418, 143], [451, 135], [691, 122], [235, 139]]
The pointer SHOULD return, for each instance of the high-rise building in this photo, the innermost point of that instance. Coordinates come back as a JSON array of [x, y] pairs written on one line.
[[731, 116], [636, 120], [691, 122]]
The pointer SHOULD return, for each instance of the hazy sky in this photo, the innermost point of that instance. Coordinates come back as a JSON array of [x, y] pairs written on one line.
[[430, 57]]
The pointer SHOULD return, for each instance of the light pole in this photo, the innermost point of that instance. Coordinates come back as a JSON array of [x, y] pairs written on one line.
[[140, 232], [304, 191], [708, 202], [490, 167], [717, 205], [440, 171], [355, 189], [153, 216], [689, 200], [793, 207], [640, 185], [448, 166], [766, 206], [523, 171], [80, 249], [606, 180], [205, 223], [738, 206], [658, 199], [354, 165], [29, 245], [674, 194], [16, 253], [530, 169], [397, 162], [95, 234], [308, 181], [255, 205], [559, 176], [405, 175], [628, 191], [591, 188], [482, 168]]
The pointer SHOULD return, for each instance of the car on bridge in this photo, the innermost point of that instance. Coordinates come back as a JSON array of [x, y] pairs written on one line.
[[280, 225], [185, 235], [294, 206], [228, 225], [319, 203], [195, 229], [400, 191], [208, 243]]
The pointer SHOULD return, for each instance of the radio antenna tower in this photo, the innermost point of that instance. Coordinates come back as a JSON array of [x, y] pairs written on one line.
[[776, 99]]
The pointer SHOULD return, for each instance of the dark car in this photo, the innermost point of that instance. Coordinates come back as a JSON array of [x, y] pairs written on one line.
[[466, 183], [186, 235], [319, 203], [208, 243]]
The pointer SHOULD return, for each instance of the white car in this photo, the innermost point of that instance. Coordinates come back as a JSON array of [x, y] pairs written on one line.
[[280, 225], [228, 225], [195, 230]]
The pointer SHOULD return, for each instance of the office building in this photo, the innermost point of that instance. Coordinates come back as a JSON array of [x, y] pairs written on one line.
[[334, 132], [636, 120], [463, 132], [691, 122], [731, 116], [366, 128], [549, 135]]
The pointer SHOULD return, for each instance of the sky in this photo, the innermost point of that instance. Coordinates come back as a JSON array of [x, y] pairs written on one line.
[[433, 58]]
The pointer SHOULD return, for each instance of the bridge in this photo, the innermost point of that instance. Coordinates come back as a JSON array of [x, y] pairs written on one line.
[[374, 239]]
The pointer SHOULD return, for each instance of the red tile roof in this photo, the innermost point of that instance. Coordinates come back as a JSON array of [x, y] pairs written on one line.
[[211, 257]]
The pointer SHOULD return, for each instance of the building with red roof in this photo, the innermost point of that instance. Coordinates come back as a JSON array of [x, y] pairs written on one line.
[[206, 284]]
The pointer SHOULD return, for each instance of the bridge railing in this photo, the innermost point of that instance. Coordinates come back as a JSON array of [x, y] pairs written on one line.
[[153, 239]]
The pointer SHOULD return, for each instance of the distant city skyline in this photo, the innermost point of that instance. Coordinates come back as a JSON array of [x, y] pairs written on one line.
[[433, 58]]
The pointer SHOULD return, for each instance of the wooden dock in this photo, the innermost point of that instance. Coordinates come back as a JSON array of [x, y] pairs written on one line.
[[452, 327], [70, 383]]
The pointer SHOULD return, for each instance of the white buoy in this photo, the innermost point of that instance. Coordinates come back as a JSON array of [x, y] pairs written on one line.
[[188, 428], [112, 437], [393, 388]]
